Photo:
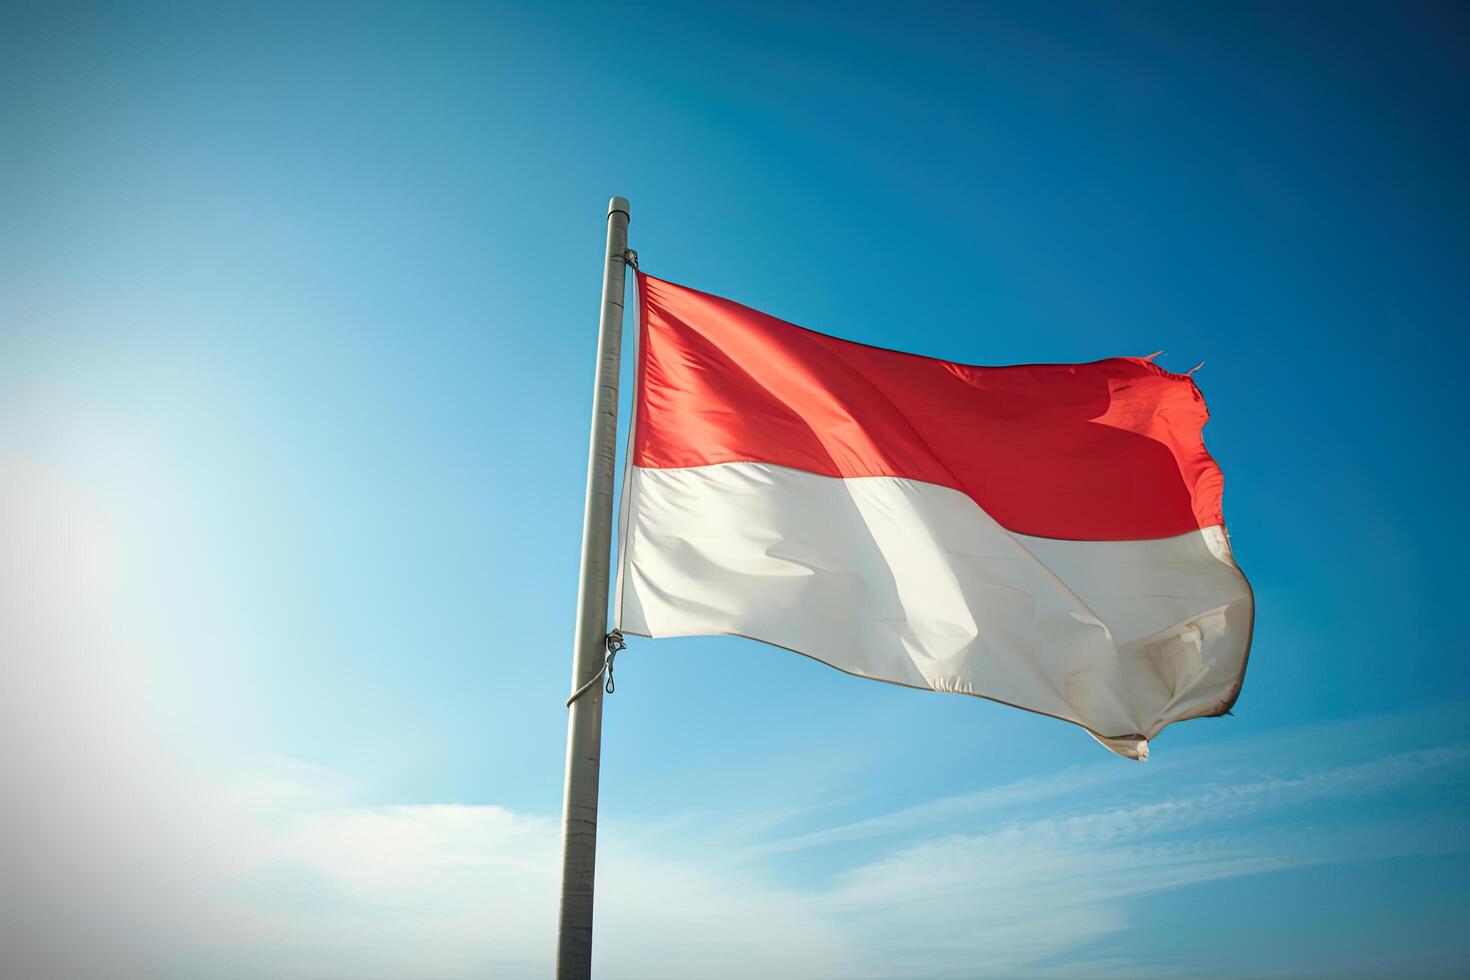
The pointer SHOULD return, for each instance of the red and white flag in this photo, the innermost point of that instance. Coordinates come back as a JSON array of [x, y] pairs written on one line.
[[1048, 536]]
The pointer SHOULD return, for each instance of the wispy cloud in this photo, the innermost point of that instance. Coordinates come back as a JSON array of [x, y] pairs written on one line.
[[305, 884], [999, 798], [1035, 888]]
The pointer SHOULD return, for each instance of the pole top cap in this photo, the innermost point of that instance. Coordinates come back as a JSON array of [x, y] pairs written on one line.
[[619, 204]]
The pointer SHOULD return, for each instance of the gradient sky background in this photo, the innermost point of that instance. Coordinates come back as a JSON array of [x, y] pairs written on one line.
[[297, 319]]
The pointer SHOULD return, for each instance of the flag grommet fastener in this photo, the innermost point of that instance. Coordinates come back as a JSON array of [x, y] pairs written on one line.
[[615, 643]]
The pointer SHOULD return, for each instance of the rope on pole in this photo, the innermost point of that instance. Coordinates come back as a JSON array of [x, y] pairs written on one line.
[[615, 643]]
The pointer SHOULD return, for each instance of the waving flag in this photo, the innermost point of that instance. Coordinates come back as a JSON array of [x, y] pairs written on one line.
[[1048, 536]]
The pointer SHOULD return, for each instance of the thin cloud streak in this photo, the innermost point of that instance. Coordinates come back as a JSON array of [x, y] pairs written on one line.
[[475, 885], [288, 878]]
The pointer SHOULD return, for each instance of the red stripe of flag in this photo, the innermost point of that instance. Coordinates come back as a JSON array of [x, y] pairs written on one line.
[[1110, 450]]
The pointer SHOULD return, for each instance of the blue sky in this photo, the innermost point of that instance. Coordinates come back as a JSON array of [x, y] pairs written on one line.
[[297, 319]]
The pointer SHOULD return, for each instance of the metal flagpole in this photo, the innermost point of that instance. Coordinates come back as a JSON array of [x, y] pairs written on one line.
[[584, 726]]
